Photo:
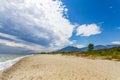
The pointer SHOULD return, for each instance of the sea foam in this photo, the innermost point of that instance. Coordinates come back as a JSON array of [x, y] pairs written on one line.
[[9, 63]]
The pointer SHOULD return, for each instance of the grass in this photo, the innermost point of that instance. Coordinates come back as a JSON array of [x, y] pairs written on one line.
[[110, 54]]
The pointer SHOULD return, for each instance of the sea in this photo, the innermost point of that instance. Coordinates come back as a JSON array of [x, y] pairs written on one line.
[[7, 60]]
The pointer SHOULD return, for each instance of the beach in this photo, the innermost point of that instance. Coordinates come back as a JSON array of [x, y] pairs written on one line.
[[58, 67]]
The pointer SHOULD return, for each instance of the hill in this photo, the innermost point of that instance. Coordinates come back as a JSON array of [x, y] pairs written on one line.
[[75, 49]]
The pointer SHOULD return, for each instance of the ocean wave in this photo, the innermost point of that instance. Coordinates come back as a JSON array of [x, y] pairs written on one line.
[[8, 63]]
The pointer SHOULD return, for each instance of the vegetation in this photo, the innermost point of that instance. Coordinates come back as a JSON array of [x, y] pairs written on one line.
[[112, 53], [43, 53], [90, 47]]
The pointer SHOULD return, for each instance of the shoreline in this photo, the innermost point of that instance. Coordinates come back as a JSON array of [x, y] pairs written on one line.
[[57, 67], [8, 63]]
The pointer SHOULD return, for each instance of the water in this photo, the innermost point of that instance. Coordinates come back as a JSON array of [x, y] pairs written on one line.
[[7, 60]]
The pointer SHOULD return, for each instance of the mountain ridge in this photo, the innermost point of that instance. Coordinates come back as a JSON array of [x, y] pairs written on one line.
[[76, 49]]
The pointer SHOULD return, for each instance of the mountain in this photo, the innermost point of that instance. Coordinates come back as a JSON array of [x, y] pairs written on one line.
[[111, 46], [98, 47], [69, 49], [75, 49]]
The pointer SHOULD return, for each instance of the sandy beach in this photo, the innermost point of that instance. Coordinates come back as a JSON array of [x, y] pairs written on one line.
[[58, 67]]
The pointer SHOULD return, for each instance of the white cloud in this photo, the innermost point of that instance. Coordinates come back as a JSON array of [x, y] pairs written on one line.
[[88, 30], [116, 42], [33, 47], [80, 46], [39, 22], [8, 36], [14, 44]]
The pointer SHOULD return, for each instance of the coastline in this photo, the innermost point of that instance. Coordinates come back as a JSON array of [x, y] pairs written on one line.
[[8, 63], [57, 67]]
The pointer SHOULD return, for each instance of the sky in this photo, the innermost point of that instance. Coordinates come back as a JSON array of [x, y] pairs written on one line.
[[48, 25]]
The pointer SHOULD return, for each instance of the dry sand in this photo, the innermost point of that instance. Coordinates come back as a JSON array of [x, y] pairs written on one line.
[[57, 67]]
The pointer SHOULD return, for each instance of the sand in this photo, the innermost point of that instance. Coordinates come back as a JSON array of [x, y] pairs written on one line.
[[58, 67]]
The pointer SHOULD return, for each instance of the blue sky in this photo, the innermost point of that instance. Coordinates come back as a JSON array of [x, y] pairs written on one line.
[[47, 25], [104, 13]]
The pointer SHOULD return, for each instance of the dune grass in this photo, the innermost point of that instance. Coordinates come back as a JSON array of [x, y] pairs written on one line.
[[111, 54]]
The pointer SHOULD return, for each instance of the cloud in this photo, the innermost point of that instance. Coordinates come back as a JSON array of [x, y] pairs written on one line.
[[116, 42], [88, 30], [4, 49], [13, 41], [80, 46], [118, 28], [8, 36], [111, 7], [39, 23], [14, 44]]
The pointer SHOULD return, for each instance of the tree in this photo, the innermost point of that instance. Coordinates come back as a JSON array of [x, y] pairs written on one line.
[[90, 47]]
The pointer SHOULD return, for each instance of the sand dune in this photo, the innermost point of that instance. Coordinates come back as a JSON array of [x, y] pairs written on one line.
[[57, 67]]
